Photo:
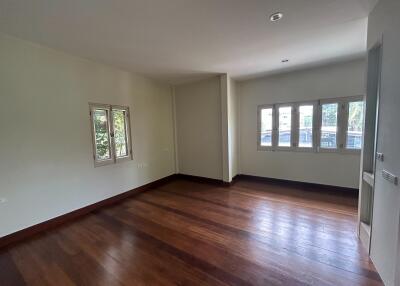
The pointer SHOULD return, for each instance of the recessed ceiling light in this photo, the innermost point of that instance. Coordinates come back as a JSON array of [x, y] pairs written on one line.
[[276, 17], [285, 61]]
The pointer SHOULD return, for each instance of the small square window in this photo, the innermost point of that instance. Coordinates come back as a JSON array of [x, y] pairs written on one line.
[[111, 133]]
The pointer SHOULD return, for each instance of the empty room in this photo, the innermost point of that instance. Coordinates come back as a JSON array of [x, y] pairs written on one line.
[[199, 142]]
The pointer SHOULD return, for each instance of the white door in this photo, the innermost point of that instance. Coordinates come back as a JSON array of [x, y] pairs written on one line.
[[384, 22]]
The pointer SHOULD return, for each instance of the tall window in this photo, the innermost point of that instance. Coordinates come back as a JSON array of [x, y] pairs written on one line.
[[355, 125], [329, 125], [306, 125], [102, 142], [120, 133], [111, 133], [285, 126], [266, 127]]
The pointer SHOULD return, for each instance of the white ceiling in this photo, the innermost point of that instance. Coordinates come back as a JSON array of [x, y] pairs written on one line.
[[180, 40]]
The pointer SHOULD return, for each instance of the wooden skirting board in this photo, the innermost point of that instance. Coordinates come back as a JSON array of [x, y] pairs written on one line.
[[303, 185], [54, 222], [306, 186], [46, 225], [199, 179]]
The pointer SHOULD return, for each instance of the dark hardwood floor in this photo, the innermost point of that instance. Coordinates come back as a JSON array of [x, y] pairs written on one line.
[[188, 233]]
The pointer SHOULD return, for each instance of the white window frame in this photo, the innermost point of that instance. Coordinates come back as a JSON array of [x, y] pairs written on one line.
[[342, 125], [339, 140], [292, 127], [296, 132], [346, 122], [259, 146], [113, 158]]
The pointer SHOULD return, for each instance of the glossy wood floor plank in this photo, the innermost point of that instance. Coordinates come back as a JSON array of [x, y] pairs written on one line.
[[247, 242], [188, 233]]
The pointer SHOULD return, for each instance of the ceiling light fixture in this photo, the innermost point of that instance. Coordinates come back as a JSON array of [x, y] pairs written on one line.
[[276, 17]]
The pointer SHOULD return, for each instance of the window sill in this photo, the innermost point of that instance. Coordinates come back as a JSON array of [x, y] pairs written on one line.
[[309, 150]]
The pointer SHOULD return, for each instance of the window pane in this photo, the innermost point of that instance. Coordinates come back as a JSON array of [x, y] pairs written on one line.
[[285, 126], [120, 137], [266, 127], [306, 126], [355, 125], [100, 117], [329, 126]]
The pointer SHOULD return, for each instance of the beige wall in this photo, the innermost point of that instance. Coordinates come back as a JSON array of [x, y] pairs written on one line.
[[229, 127], [233, 128], [339, 80], [226, 112], [198, 127], [46, 165], [384, 22], [225, 95]]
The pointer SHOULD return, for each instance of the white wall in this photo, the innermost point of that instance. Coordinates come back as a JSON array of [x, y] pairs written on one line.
[[233, 129], [199, 134], [229, 128], [339, 80], [46, 164], [385, 21]]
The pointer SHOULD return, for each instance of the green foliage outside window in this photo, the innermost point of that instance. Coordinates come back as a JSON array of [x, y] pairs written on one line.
[[101, 132], [329, 114], [120, 133], [110, 133], [356, 110]]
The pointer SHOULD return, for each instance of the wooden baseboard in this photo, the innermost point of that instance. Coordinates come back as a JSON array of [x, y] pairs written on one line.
[[205, 180], [234, 179], [304, 185], [199, 179], [54, 222], [307, 186]]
